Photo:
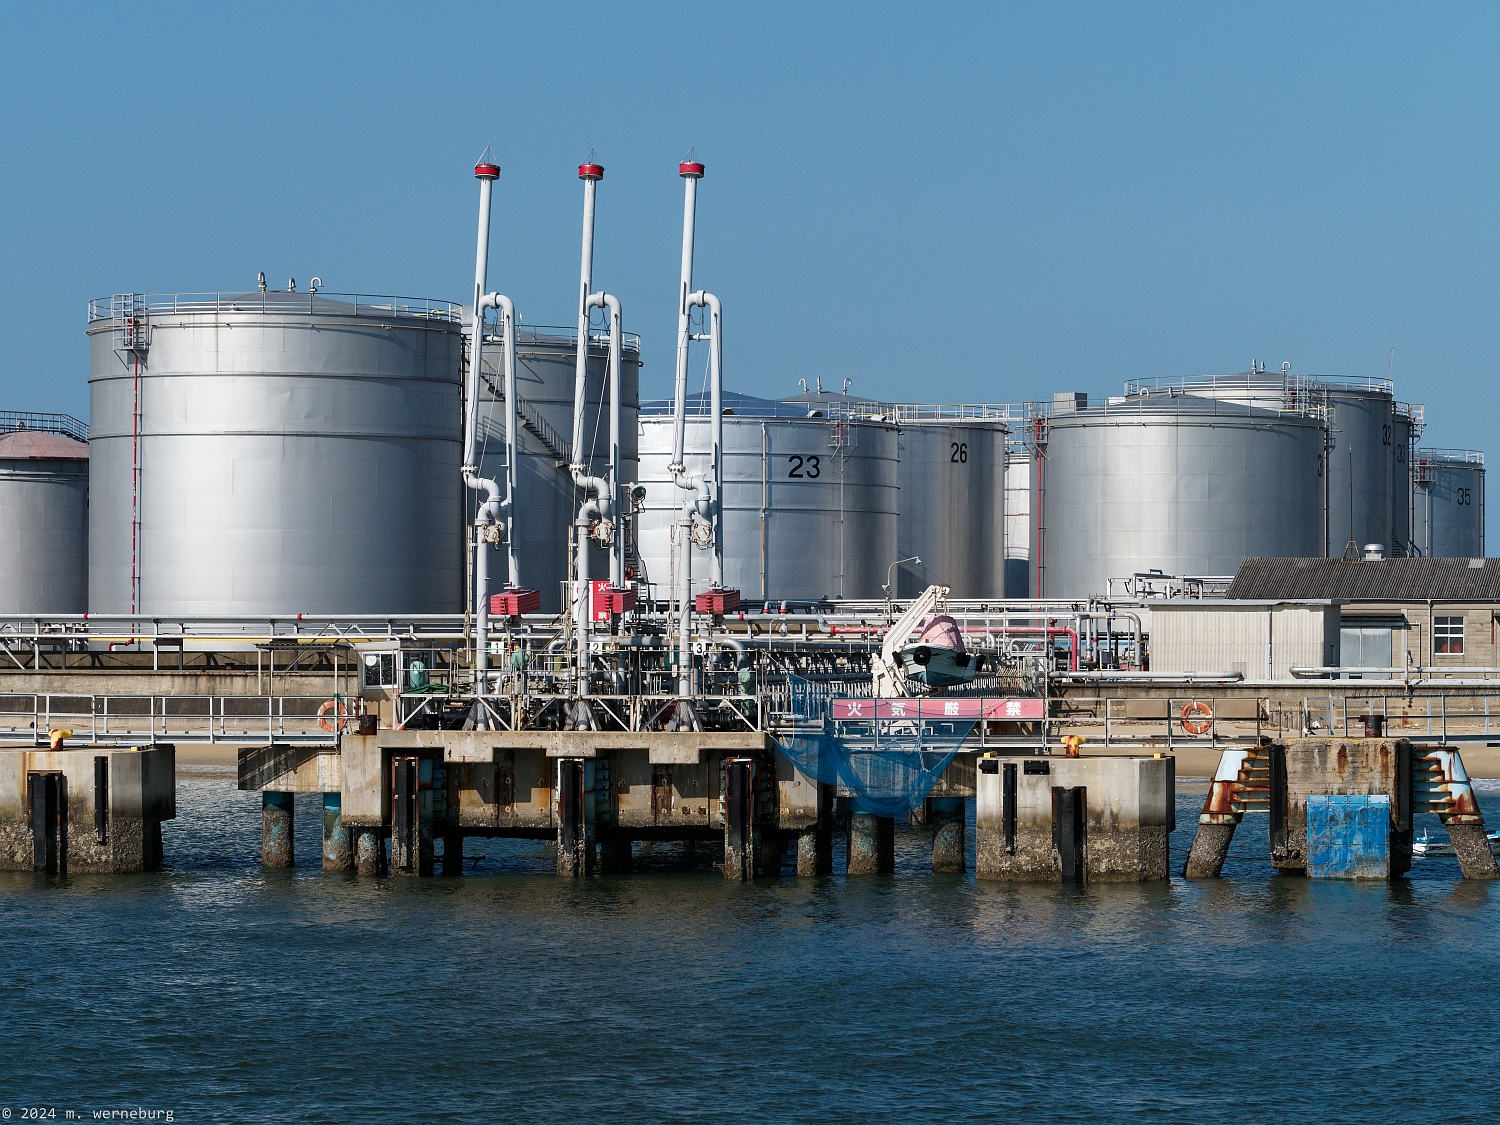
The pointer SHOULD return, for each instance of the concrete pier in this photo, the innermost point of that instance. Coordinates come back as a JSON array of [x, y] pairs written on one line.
[[946, 817], [872, 844], [277, 815], [84, 809], [1341, 808], [338, 850], [1094, 819]]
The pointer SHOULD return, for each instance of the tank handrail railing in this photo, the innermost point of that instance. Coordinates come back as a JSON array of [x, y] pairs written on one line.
[[959, 411], [1160, 405], [12, 421], [1460, 456], [565, 335], [319, 302], [1260, 380]]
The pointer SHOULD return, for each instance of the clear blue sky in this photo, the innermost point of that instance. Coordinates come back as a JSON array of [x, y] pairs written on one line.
[[942, 202]]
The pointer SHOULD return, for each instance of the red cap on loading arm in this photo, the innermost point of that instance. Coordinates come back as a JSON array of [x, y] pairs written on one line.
[[591, 171], [484, 170], [691, 168]]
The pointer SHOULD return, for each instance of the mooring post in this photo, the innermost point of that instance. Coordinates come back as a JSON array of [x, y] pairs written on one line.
[[815, 848], [411, 832], [453, 853], [575, 833], [872, 844], [276, 816], [946, 816], [338, 852], [49, 834], [741, 835], [616, 854]]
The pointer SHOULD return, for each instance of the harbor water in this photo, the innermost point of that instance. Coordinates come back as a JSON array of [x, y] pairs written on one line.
[[219, 991]]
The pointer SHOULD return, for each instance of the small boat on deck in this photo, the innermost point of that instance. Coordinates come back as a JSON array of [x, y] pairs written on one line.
[[937, 658]]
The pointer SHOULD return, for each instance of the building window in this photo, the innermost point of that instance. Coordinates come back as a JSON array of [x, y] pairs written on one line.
[[1448, 636]]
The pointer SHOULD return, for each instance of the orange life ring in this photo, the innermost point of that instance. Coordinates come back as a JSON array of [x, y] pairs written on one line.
[[1197, 725], [338, 709]]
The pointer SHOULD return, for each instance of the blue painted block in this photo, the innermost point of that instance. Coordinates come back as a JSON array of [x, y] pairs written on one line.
[[1349, 837]]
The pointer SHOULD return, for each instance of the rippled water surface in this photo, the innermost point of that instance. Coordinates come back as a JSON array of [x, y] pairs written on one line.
[[223, 992]]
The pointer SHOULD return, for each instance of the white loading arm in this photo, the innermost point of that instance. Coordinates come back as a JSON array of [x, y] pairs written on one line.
[[887, 664]]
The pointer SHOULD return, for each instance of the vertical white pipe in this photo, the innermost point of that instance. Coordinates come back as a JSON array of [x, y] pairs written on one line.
[[508, 341], [690, 173], [487, 174], [583, 615], [716, 426], [590, 174]]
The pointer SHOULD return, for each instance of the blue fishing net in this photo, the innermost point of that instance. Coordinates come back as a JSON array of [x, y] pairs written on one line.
[[888, 766]]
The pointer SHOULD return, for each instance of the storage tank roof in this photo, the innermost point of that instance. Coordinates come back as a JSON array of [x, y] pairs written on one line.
[[18, 445]]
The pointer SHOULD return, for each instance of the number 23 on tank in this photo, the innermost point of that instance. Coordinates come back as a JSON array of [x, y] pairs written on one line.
[[804, 468]]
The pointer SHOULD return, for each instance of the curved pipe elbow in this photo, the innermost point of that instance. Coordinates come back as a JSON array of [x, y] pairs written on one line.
[[489, 510], [704, 298]]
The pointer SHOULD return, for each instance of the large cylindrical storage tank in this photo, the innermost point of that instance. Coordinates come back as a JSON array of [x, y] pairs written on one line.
[[1360, 485], [269, 453], [44, 515], [952, 501], [1018, 520], [1174, 483], [547, 501], [809, 503], [1448, 503]]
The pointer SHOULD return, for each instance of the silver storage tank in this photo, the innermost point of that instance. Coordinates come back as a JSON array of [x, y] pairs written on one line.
[[952, 500], [1361, 482], [44, 514], [1018, 520], [1171, 482], [547, 504], [1448, 503], [809, 503], [294, 453]]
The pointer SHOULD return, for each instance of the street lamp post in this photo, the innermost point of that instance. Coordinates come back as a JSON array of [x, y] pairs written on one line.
[[889, 579]]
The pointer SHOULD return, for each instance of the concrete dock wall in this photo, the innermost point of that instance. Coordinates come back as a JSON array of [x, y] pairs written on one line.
[[1127, 817]]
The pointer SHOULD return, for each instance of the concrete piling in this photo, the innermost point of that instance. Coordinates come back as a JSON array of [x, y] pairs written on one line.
[[338, 851], [369, 851], [1472, 848], [946, 816], [1210, 847], [872, 844], [276, 820], [815, 846]]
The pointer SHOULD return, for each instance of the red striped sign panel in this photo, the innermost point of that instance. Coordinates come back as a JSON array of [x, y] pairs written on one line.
[[1016, 710]]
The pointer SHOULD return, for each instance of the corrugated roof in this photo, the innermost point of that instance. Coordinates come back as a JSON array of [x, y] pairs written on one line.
[[1386, 580], [39, 445]]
